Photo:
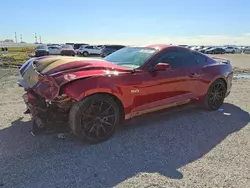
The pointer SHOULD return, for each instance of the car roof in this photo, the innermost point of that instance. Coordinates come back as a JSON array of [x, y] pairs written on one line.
[[111, 45], [165, 46], [158, 46]]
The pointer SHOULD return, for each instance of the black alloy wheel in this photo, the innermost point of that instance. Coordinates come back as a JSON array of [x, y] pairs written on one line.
[[95, 118], [215, 95]]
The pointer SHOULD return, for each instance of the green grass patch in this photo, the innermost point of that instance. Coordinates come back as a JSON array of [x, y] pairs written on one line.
[[28, 49], [14, 58]]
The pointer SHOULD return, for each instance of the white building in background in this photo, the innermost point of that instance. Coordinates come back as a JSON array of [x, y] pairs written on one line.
[[7, 40], [14, 44]]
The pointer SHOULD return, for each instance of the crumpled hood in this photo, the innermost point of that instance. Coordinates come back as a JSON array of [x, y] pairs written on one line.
[[61, 68], [51, 65]]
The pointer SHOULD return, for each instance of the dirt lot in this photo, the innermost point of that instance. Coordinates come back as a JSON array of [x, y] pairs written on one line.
[[188, 147], [240, 62]]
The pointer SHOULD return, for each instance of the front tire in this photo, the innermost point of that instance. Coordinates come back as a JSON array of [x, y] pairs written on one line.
[[95, 118], [215, 95]]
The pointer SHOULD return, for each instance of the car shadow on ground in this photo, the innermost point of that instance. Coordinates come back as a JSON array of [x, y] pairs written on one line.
[[159, 143]]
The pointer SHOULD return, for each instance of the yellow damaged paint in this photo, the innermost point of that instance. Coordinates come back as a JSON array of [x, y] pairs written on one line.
[[41, 64], [47, 64]]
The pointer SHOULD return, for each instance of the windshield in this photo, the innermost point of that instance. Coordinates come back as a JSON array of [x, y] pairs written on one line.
[[131, 57], [42, 47], [67, 46]]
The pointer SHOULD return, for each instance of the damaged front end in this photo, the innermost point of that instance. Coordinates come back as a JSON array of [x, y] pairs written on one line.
[[48, 108], [45, 80], [47, 116]]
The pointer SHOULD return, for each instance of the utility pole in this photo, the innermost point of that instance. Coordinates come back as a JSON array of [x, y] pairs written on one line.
[[35, 38], [21, 37], [40, 39], [15, 38]]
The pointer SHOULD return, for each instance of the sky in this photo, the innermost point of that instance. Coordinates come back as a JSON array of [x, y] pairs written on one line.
[[215, 22]]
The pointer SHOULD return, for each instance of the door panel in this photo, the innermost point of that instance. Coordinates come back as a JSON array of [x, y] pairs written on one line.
[[170, 87], [91, 51], [161, 88], [97, 51]]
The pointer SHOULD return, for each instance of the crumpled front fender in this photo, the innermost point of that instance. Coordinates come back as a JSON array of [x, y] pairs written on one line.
[[82, 88]]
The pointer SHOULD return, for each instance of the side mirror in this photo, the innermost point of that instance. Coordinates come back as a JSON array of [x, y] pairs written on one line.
[[161, 67]]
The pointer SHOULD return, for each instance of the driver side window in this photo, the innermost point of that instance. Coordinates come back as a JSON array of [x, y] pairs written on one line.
[[173, 57], [88, 47]]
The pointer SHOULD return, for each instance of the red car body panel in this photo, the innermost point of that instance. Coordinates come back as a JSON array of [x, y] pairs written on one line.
[[139, 91], [81, 69], [157, 90]]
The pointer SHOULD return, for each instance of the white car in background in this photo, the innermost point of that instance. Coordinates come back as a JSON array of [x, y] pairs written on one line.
[[196, 48], [82, 47], [246, 50], [89, 50], [55, 50], [230, 49]]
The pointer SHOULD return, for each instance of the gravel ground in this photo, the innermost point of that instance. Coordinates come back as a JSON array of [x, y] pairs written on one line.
[[185, 147]]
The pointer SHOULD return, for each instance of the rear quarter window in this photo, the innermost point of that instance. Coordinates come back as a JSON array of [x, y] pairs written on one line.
[[201, 60]]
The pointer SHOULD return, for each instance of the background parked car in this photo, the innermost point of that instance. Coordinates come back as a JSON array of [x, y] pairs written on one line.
[[215, 51], [230, 49], [89, 50], [246, 50], [53, 45], [67, 50], [203, 50], [100, 46], [78, 52], [41, 50], [76, 46], [109, 49], [55, 50], [196, 47]]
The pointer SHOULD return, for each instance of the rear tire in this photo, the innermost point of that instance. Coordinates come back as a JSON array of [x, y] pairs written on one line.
[[85, 54], [215, 95], [95, 118]]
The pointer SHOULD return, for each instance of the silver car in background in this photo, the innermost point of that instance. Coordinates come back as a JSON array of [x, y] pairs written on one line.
[[246, 50]]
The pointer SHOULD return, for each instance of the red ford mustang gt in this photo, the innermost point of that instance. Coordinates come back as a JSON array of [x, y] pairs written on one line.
[[95, 95]]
